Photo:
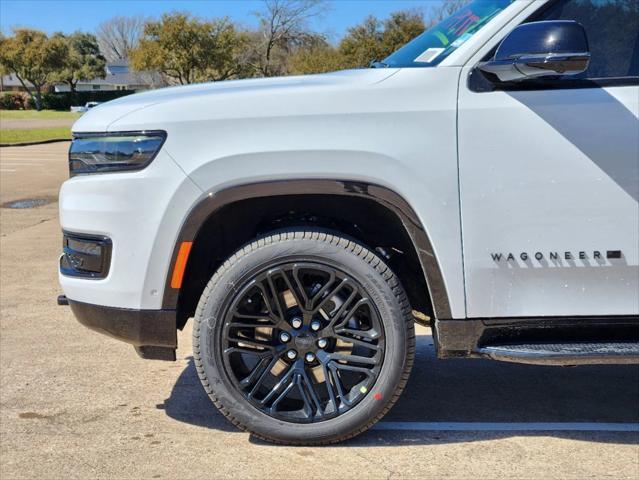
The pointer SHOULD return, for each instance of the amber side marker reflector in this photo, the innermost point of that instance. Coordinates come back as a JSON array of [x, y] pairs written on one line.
[[180, 264]]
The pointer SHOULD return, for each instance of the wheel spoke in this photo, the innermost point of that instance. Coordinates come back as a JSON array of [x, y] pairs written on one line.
[[329, 387], [369, 334], [308, 406], [355, 341], [340, 311], [334, 367], [341, 357], [251, 316], [262, 377], [240, 304], [252, 325], [338, 384], [306, 381], [320, 294], [257, 371], [252, 343], [351, 368], [283, 381], [296, 276], [296, 295], [271, 298], [248, 351], [326, 298], [281, 396], [352, 311]]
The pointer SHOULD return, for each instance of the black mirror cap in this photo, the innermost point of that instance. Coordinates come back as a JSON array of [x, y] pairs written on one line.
[[536, 50], [547, 37]]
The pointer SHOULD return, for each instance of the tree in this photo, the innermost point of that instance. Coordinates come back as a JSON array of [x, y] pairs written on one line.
[[34, 58], [186, 49], [3, 69], [283, 26], [118, 36], [318, 58], [400, 28], [375, 40], [363, 43], [83, 62]]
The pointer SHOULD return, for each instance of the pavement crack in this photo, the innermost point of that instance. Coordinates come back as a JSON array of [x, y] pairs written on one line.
[[390, 472], [27, 227]]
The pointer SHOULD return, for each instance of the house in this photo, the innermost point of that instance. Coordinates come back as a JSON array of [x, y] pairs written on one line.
[[118, 77], [10, 83]]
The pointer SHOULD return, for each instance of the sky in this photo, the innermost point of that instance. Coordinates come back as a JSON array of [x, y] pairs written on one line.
[[70, 15]]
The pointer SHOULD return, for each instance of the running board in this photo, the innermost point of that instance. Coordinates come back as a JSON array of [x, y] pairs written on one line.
[[582, 353]]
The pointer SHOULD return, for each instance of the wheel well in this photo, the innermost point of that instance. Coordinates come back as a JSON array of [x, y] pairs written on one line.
[[240, 222]]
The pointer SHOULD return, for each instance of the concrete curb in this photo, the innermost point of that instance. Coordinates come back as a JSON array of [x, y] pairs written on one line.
[[40, 142]]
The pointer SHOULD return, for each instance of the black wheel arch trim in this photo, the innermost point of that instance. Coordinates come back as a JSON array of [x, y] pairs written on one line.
[[389, 199]]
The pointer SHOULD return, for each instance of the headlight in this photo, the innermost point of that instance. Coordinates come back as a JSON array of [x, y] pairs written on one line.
[[113, 152]]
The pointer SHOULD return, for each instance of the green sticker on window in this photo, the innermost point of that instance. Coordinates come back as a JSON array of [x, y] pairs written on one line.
[[442, 37]]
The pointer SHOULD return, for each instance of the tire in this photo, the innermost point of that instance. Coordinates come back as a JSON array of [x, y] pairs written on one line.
[[256, 299]]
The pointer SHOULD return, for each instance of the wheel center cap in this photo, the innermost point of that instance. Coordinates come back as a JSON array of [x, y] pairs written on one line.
[[304, 341]]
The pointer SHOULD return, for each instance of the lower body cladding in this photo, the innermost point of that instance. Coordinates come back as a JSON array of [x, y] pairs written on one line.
[[542, 341], [153, 333]]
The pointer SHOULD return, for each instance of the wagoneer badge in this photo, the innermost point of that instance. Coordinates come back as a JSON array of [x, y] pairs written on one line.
[[557, 256]]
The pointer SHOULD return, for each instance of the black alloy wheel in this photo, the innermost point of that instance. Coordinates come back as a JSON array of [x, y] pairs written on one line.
[[303, 341]]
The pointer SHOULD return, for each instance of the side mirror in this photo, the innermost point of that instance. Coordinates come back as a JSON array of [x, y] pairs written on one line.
[[540, 49]]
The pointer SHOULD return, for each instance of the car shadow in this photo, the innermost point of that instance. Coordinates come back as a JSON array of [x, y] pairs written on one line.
[[470, 390]]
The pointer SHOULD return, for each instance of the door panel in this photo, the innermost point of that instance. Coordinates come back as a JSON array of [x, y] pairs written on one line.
[[549, 185]]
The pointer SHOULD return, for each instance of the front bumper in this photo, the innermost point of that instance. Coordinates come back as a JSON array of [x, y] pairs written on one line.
[[153, 333], [139, 214], [120, 231]]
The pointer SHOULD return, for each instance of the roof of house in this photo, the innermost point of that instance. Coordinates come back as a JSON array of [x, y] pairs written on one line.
[[118, 73], [119, 63], [12, 81]]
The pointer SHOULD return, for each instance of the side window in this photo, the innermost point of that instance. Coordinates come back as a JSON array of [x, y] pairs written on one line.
[[612, 27]]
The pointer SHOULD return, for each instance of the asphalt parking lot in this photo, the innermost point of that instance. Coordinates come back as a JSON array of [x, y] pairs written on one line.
[[75, 404]]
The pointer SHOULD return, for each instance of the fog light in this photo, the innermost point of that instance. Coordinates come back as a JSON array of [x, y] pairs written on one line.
[[85, 256]]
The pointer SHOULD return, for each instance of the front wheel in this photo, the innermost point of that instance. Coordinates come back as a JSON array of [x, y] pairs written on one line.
[[304, 338]]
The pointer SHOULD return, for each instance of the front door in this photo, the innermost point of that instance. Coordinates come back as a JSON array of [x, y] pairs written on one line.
[[549, 179]]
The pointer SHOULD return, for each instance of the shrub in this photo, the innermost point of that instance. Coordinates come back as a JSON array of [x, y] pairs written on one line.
[[13, 101]]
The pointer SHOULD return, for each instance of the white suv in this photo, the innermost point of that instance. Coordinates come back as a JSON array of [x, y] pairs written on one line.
[[483, 180]]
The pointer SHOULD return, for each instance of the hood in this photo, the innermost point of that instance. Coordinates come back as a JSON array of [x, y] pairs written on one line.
[[101, 117]]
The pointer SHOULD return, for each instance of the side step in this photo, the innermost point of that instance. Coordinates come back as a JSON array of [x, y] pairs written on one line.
[[581, 353]]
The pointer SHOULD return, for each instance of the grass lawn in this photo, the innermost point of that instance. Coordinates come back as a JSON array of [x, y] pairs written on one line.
[[34, 114], [34, 135]]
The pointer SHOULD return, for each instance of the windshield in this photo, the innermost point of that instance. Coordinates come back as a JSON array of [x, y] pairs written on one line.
[[435, 44]]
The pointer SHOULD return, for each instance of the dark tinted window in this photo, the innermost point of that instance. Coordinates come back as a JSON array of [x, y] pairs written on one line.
[[612, 27]]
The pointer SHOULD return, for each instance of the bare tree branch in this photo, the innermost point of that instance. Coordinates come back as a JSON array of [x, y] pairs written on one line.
[[119, 35], [284, 25], [444, 10]]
